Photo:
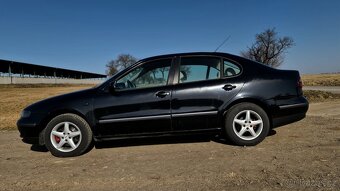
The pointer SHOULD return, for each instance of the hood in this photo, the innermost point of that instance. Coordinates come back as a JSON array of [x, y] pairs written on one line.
[[60, 101]]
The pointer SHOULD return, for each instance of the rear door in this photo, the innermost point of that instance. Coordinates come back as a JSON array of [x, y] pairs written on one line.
[[201, 89]]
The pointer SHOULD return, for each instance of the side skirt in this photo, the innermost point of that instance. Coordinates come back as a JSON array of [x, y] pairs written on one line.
[[158, 134]]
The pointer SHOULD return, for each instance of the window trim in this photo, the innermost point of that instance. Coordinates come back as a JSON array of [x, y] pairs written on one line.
[[169, 80]]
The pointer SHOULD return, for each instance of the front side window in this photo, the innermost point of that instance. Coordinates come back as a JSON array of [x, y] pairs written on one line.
[[199, 68], [151, 74]]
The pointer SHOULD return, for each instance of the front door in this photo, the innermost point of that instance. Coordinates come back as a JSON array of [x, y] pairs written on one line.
[[140, 103]]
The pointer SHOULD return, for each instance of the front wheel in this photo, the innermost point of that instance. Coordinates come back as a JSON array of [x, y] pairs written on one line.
[[246, 124], [67, 135]]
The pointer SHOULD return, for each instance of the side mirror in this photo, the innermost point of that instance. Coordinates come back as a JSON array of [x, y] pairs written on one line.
[[119, 85], [114, 86]]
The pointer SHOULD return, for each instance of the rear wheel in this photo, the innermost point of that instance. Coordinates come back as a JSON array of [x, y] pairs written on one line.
[[67, 135], [246, 124]]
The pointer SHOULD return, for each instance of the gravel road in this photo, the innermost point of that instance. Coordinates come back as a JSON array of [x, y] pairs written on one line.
[[304, 156]]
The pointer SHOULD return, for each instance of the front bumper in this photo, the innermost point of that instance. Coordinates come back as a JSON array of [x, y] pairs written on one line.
[[29, 129]]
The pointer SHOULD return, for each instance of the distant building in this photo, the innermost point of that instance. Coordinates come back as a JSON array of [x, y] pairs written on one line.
[[12, 72]]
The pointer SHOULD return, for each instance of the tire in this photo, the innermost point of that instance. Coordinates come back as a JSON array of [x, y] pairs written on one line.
[[67, 135], [246, 124]]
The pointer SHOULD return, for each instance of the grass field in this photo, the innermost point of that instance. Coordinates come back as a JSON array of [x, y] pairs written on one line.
[[321, 79]]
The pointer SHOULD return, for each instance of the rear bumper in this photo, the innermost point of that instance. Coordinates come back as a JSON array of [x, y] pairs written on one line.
[[292, 112]]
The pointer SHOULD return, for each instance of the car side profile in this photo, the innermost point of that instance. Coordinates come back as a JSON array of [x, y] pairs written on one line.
[[187, 93]]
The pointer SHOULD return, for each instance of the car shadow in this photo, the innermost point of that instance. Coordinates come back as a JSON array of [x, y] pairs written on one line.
[[43, 149], [153, 141], [144, 141], [181, 139], [271, 133], [39, 148]]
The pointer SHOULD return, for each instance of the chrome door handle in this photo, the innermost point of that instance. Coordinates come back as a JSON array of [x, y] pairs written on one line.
[[162, 94], [229, 87]]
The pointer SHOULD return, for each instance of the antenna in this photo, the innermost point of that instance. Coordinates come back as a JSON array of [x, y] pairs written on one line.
[[225, 40]]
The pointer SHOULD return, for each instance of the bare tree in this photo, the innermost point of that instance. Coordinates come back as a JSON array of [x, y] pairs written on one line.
[[268, 48], [121, 62]]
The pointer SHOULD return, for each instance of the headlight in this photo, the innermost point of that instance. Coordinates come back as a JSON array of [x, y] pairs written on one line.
[[25, 114]]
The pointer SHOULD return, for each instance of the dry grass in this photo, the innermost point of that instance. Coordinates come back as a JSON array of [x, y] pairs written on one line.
[[321, 79], [320, 96], [15, 98]]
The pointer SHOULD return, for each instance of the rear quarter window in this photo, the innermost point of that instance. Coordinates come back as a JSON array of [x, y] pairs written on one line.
[[230, 69]]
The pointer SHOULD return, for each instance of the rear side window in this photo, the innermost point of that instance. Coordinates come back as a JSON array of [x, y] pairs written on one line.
[[230, 69], [199, 68]]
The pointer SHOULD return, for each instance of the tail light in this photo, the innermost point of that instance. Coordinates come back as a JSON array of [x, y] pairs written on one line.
[[299, 83], [299, 86]]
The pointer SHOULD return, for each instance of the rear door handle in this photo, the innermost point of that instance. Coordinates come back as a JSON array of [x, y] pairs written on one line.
[[229, 87], [162, 94]]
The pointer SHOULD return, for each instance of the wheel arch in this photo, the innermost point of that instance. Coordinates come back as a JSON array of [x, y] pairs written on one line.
[[255, 101], [55, 113]]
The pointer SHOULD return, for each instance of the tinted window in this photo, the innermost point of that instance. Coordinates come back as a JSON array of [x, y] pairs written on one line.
[[230, 69], [151, 74], [199, 68]]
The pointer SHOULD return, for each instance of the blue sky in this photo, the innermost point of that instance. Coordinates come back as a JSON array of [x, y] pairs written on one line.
[[85, 35]]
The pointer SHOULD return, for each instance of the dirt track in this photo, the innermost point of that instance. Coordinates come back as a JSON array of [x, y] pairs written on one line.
[[303, 155]]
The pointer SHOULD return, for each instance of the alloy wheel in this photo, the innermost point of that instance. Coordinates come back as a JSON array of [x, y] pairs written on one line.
[[65, 136], [247, 125]]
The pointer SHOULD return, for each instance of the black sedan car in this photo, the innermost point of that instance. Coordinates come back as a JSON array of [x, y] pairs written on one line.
[[201, 93]]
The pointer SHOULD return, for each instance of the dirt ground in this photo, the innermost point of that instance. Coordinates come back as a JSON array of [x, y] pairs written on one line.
[[300, 156]]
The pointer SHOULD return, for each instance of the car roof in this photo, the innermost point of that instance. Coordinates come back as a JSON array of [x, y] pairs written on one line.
[[221, 54]]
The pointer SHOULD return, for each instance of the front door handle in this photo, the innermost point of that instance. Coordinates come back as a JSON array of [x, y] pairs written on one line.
[[229, 87], [162, 94]]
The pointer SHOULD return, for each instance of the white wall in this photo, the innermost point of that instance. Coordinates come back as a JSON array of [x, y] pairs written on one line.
[[19, 80]]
